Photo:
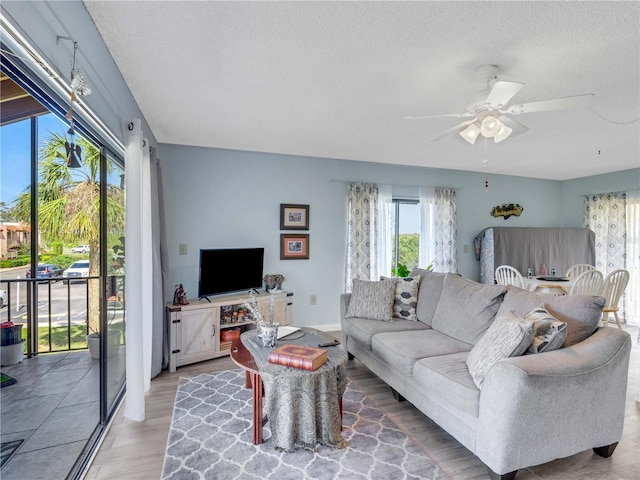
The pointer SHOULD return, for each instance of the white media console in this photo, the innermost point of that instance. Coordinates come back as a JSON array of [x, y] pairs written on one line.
[[197, 331]]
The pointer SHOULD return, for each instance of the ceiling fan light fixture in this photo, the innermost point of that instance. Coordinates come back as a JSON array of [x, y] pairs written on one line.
[[490, 126], [503, 133], [470, 134]]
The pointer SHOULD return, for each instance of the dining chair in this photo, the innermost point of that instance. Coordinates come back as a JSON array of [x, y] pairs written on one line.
[[507, 275], [612, 289], [587, 283], [576, 270]]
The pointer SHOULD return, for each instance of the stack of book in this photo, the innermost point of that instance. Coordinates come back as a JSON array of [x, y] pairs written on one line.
[[298, 356]]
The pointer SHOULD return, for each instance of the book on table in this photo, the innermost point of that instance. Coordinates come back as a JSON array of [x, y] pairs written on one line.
[[298, 356]]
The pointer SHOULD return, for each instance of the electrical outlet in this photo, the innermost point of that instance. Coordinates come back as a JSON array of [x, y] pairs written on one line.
[[313, 299], [182, 249], [465, 249]]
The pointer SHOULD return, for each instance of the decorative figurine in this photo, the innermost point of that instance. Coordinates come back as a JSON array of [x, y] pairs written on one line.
[[180, 296]]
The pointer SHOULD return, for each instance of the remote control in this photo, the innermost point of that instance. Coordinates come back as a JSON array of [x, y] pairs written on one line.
[[329, 344]]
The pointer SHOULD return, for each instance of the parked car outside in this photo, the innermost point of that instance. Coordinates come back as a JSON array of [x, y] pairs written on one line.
[[77, 269], [3, 298], [81, 249], [47, 270]]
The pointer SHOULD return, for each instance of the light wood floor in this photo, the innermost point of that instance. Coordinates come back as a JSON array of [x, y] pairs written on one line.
[[135, 450]]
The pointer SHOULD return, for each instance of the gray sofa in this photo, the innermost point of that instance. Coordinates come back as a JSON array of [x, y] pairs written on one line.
[[531, 408]]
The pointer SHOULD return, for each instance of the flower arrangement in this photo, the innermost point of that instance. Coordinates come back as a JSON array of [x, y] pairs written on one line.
[[506, 210], [252, 306]]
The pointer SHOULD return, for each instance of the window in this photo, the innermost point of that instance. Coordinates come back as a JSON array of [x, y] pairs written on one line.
[[405, 233]]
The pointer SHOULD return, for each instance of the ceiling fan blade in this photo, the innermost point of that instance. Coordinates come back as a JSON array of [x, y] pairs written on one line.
[[455, 115], [502, 92], [517, 127], [452, 129], [555, 104]]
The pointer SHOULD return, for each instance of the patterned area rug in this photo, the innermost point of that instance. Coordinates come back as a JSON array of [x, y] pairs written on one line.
[[210, 438]]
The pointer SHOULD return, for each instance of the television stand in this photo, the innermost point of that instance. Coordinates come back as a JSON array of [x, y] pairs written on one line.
[[196, 329], [206, 298]]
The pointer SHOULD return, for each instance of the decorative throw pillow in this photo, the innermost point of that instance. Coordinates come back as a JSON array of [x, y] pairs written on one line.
[[508, 336], [372, 300], [550, 332], [406, 296], [581, 313]]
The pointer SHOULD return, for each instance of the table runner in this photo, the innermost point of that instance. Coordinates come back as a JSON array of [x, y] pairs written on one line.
[[301, 405]]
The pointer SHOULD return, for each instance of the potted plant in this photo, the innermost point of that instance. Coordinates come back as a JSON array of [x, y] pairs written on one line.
[[273, 281], [93, 342]]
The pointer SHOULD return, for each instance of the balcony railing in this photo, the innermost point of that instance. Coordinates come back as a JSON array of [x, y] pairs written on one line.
[[54, 311]]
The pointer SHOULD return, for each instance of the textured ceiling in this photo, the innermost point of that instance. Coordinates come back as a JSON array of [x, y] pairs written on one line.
[[335, 79]]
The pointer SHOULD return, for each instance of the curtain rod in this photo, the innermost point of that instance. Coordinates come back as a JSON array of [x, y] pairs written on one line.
[[333, 180]]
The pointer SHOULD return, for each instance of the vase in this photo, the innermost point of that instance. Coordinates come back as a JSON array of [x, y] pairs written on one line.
[[268, 334]]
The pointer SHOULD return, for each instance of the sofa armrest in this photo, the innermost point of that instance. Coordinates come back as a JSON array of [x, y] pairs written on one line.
[[344, 305], [536, 408]]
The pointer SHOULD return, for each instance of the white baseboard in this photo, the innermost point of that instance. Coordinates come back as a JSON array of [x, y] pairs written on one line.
[[327, 328]]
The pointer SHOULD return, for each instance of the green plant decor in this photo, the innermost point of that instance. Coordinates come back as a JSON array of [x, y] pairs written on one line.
[[402, 271]]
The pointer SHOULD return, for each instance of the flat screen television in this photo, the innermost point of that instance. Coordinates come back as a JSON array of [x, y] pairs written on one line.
[[225, 270]]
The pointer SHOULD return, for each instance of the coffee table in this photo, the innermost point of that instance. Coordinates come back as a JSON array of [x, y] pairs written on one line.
[[249, 355], [241, 357]]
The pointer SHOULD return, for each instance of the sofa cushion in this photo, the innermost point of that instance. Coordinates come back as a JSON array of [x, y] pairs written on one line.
[[362, 330], [400, 350], [448, 377], [429, 292], [550, 332], [373, 300], [405, 299], [581, 313], [509, 336], [466, 308]]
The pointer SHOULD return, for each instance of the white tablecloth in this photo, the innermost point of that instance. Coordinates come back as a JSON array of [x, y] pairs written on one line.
[[544, 286]]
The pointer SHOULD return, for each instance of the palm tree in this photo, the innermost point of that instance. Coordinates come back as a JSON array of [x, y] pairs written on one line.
[[69, 205]]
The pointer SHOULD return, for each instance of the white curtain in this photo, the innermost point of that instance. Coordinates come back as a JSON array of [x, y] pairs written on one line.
[[633, 257], [445, 231], [427, 253], [438, 229], [605, 216], [361, 233], [382, 266], [138, 245]]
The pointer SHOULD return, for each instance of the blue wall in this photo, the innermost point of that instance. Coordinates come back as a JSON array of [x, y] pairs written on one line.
[[223, 198]]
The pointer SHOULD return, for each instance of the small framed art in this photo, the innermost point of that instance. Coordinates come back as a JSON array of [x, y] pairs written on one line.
[[294, 217], [294, 246]]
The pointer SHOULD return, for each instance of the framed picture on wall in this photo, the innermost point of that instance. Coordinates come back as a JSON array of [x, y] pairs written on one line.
[[294, 217], [294, 246]]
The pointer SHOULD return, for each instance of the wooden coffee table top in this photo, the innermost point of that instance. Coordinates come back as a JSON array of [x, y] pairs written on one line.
[[241, 357]]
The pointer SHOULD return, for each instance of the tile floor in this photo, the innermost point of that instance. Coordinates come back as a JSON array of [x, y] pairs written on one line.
[[54, 408]]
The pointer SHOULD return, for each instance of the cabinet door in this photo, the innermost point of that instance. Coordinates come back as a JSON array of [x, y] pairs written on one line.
[[196, 334], [279, 309]]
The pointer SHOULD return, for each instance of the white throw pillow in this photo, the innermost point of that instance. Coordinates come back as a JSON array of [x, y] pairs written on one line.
[[508, 336], [372, 300]]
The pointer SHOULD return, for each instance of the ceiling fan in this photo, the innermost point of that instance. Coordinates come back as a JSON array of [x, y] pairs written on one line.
[[490, 109]]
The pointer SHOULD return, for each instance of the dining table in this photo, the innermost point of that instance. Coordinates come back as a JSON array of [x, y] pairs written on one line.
[[548, 284]]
